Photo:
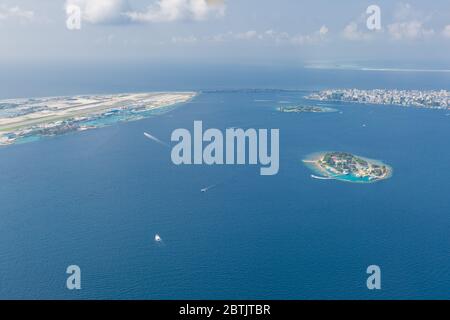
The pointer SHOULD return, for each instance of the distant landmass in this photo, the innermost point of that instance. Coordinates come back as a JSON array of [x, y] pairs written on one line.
[[306, 109], [433, 99], [24, 120]]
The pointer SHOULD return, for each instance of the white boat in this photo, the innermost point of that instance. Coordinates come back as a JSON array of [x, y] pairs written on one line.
[[157, 238], [207, 188]]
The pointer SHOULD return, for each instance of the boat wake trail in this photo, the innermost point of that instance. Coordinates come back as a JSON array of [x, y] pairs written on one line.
[[321, 178], [148, 135], [208, 188]]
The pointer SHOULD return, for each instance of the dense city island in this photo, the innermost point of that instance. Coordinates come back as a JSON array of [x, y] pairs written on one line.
[[347, 167], [305, 109], [433, 99], [24, 120]]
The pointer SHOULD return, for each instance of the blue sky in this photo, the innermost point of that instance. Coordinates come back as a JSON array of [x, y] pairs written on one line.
[[226, 32]]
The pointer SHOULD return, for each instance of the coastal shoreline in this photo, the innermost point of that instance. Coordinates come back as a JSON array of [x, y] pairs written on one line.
[[27, 120], [305, 109], [432, 99], [312, 161]]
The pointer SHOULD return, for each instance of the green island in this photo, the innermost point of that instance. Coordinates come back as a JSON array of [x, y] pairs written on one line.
[[305, 109], [347, 167]]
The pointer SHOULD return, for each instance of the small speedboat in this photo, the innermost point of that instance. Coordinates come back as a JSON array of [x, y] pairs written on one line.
[[157, 238]]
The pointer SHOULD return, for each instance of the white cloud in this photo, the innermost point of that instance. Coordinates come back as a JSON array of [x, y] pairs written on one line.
[[313, 38], [357, 30], [220, 37], [273, 36], [120, 11], [406, 12], [409, 24], [247, 35], [173, 10], [182, 40], [15, 13], [102, 11], [446, 31], [323, 30], [409, 30], [353, 33], [277, 37]]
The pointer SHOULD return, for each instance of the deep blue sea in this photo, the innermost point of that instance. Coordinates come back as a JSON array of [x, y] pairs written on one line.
[[97, 198]]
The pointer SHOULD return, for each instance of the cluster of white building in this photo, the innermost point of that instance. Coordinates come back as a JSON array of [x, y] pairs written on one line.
[[415, 98]]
